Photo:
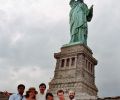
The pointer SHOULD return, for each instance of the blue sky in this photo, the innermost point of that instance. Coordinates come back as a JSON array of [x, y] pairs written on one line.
[[32, 31]]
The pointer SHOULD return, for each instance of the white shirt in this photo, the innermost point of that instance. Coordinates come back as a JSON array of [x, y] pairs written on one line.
[[16, 97], [40, 96]]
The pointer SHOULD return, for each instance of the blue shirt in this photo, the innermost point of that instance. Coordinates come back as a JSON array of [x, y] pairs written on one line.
[[16, 97]]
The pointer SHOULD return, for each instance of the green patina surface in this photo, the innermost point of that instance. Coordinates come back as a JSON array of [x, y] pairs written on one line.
[[79, 16]]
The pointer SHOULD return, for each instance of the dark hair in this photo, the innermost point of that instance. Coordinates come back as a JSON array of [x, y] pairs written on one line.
[[27, 95], [42, 84], [48, 94], [21, 85], [29, 90], [60, 91]]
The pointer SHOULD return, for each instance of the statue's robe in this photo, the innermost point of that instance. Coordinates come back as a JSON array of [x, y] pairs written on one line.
[[79, 15]]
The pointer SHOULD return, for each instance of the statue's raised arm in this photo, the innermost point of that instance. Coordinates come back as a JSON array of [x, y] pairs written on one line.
[[90, 14]]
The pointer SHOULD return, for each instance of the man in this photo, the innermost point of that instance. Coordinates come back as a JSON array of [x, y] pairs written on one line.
[[19, 95], [79, 16], [71, 95], [60, 94], [41, 94]]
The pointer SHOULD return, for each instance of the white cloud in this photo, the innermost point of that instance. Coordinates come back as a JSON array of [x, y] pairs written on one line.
[[32, 30], [30, 76]]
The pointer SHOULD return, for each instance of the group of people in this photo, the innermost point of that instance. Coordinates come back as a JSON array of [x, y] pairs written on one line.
[[32, 94]]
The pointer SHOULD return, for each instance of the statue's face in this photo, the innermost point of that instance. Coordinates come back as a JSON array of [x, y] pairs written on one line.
[[80, 0]]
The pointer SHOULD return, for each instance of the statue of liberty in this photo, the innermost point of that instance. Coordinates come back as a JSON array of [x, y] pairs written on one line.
[[79, 16]]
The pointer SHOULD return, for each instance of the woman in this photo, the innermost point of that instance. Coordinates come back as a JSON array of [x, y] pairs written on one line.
[[31, 94], [49, 96]]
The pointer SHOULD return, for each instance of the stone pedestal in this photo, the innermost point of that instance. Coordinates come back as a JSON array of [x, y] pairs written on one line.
[[75, 70]]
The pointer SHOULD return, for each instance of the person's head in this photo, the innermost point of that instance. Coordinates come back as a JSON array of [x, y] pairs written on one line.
[[60, 94], [71, 95], [49, 96], [31, 92], [42, 88], [21, 89]]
